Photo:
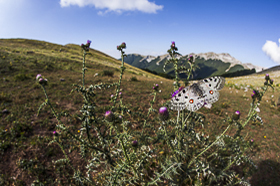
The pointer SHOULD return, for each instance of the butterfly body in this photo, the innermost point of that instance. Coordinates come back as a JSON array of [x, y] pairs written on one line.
[[198, 94]]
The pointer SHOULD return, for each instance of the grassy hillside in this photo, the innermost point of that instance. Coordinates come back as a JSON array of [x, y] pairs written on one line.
[[26, 157]]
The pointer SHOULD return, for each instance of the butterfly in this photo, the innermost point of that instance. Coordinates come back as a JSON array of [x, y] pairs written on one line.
[[203, 93]]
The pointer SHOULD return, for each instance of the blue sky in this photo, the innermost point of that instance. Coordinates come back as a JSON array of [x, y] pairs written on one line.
[[248, 30]]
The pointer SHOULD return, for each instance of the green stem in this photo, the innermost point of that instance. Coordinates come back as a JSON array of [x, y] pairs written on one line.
[[208, 146], [126, 157], [83, 71]]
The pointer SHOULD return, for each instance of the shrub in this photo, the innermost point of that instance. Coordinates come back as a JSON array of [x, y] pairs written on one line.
[[108, 73], [133, 78]]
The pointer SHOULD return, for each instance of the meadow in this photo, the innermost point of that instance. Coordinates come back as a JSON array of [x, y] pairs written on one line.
[[27, 158]]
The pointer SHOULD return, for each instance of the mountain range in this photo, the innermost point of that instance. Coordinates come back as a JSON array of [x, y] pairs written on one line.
[[208, 64]]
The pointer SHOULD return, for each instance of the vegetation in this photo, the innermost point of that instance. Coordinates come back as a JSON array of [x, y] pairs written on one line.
[[27, 157]]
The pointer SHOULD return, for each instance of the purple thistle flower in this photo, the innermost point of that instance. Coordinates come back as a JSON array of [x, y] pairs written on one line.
[[88, 42], [267, 77], [163, 113], [271, 81], [173, 43], [41, 80], [236, 115], [252, 140], [135, 143], [109, 116], [38, 76]]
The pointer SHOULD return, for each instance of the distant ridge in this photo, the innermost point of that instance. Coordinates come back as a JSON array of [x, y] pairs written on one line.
[[209, 64]]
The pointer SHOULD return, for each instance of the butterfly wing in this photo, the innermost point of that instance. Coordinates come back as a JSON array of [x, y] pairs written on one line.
[[211, 86], [210, 94], [214, 83], [186, 98]]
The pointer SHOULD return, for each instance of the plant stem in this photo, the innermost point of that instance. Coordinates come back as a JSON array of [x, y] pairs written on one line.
[[208, 146]]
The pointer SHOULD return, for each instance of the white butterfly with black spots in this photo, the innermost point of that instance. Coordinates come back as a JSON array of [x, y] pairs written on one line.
[[203, 93]]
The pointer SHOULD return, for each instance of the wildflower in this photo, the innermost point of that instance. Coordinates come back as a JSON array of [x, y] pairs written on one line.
[[55, 133], [252, 140], [79, 131], [123, 45], [163, 113], [267, 77], [134, 143], [120, 116], [109, 116], [112, 95], [264, 137], [161, 152], [156, 87], [271, 81], [120, 94], [119, 48], [236, 115], [38, 76], [43, 81], [191, 59], [88, 43], [173, 45]]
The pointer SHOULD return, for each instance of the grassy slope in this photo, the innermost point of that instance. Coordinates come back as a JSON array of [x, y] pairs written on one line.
[[27, 135]]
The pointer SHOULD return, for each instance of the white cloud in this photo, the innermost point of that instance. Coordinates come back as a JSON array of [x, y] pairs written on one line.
[[116, 5], [272, 50]]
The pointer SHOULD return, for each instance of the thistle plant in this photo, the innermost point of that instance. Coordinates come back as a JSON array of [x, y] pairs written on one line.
[[165, 151]]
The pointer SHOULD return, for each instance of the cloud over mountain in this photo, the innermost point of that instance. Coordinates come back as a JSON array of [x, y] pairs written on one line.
[[116, 5], [272, 50]]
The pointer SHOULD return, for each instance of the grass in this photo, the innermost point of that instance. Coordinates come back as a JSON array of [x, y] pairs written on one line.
[[25, 156]]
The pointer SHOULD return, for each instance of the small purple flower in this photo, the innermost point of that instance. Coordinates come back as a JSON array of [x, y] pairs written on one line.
[[236, 115], [109, 116], [173, 43], [38, 76], [41, 80], [267, 77], [112, 95], [134, 143], [88, 42], [54, 132], [163, 113], [191, 59], [252, 140], [157, 85], [123, 45], [271, 81]]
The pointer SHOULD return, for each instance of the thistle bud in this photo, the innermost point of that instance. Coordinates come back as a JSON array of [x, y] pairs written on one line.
[[191, 59], [267, 77], [135, 143], [173, 45], [271, 81], [236, 115], [123, 45], [88, 43], [38, 76], [163, 113], [109, 116]]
